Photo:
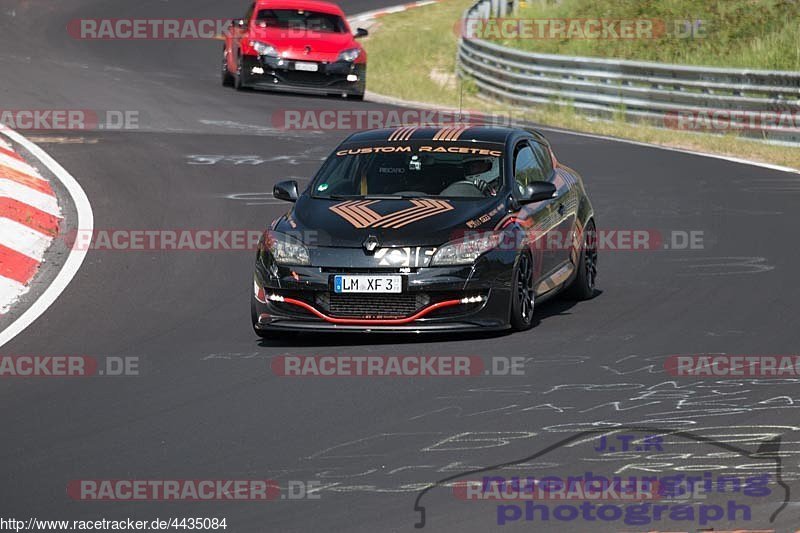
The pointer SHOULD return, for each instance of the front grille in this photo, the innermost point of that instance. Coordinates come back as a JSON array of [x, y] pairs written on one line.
[[373, 306], [308, 79]]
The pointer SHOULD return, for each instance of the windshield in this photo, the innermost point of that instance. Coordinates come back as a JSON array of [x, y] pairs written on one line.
[[298, 19], [411, 172]]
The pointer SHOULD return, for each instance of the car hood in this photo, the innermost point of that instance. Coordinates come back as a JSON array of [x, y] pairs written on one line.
[[395, 223], [323, 46]]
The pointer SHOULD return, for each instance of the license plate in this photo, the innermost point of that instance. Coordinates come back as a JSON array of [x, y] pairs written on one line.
[[368, 284], [307, 67]]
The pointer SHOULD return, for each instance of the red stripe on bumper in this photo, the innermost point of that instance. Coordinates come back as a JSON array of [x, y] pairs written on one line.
[[367, 322]]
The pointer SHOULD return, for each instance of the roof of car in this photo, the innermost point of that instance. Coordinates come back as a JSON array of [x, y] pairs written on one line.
[[305, 5], [461, 133]]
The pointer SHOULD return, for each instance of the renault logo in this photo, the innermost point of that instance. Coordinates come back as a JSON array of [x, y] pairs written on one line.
[[371, 244]]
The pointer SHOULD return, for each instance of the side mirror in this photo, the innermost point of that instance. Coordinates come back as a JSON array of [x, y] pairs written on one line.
[[538, 191], [286, 190], [361, 32], [239, 23]]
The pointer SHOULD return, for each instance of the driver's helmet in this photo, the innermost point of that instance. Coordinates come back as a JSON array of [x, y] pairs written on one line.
[[484, 169]]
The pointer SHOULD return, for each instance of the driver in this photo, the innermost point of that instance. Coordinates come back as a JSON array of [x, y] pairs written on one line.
[[484, 174]]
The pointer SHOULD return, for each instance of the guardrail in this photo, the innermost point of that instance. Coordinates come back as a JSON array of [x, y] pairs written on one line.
[[753, 103]]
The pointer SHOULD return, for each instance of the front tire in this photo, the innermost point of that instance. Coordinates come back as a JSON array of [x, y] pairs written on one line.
[[583, 286], [522, 293], [240, 76], [227, 78]]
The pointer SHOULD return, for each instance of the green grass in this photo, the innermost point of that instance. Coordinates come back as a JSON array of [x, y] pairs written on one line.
[[406, 47], [762, 34], [412, 57]]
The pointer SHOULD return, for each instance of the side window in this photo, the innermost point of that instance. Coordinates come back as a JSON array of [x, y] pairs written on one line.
[[527, 168], [544, 159]]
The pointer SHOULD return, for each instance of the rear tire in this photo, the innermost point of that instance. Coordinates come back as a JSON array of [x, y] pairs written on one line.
[[583, 286], [227, 78], [522, 293]]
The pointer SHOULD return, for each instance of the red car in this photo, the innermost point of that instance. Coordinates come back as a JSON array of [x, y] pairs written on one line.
[[295, 45]]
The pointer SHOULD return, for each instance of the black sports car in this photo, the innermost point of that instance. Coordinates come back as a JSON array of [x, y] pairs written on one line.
[[426, 229]]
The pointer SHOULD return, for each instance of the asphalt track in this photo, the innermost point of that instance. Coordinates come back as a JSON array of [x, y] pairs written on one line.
[[208, 406]]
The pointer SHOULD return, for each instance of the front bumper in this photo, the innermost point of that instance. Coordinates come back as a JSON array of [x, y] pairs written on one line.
[[277, 74], [434, 299]]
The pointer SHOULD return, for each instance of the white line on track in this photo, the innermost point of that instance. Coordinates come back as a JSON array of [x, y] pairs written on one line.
[[75, 258], [368, 15]]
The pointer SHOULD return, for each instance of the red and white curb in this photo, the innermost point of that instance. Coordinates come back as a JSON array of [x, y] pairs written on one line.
[[369, 17], [29, 220]]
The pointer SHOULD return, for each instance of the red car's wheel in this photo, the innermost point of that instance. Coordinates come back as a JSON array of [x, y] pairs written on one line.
[[239, 77], [227, 79]]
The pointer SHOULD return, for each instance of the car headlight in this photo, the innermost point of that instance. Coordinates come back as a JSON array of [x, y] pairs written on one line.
[[466, 250], [350, 55], [285, 250], [265, 49]]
